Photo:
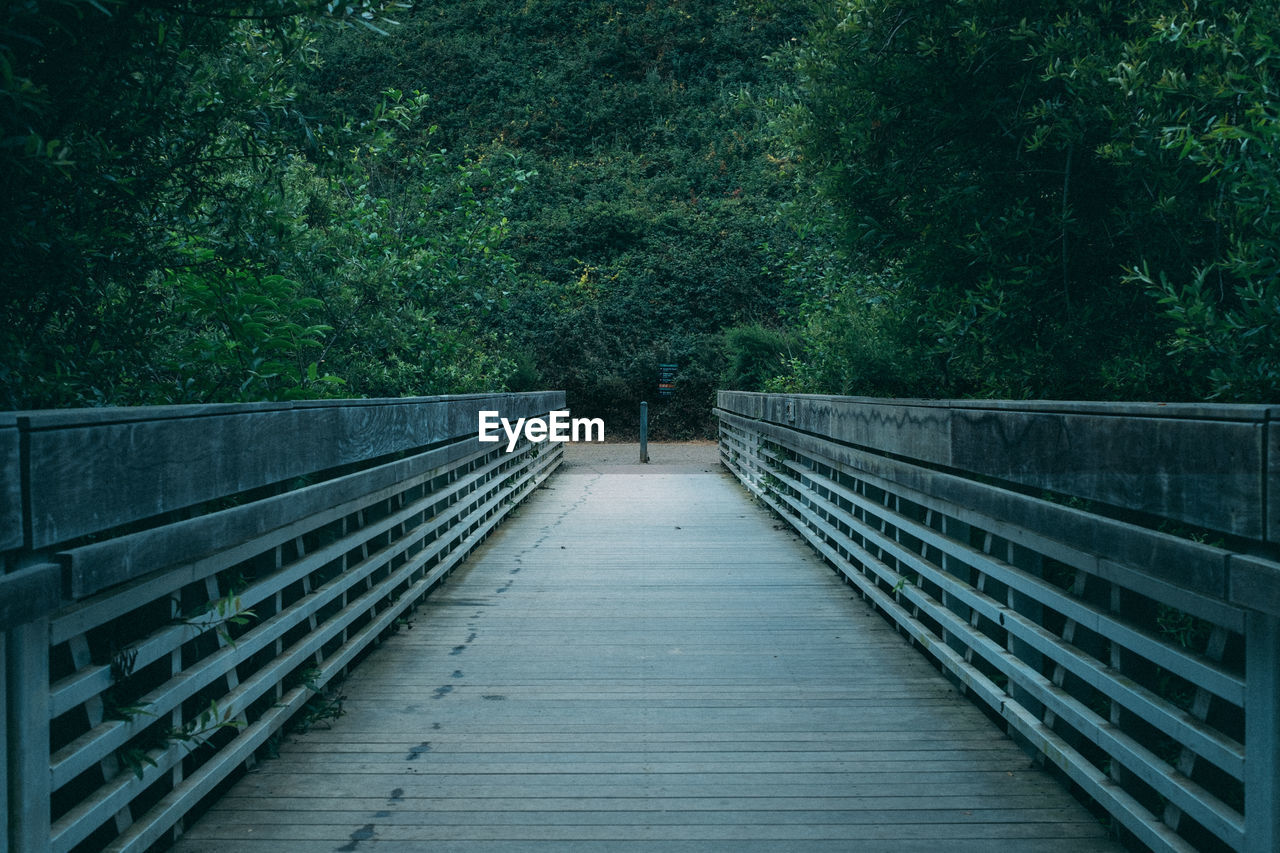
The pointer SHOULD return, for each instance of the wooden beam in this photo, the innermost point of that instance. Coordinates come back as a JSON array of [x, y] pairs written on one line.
[[180, 459]]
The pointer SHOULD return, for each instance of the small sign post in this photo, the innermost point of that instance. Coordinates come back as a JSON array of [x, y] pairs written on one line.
[[666, 379]]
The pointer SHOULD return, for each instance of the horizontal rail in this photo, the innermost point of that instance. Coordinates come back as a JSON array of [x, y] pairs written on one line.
[[1115, 653], [1212, 466], [158, 658]]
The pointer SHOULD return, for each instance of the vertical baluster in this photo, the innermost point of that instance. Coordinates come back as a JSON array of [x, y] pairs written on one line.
[[1116, 654], [931, 521], [95, 712], [924, 555], [177, 773], [391, 508], [882, 523], [278, 645], [401, 528], [364, 542], [980, 584], [957, 531], [897, 537], [367, 583], [1262, 733], [27, 702], [221, 634], [346, 589], [4, 745], [1201, 705], [1069, 636], [312, 621], [1032, 563]]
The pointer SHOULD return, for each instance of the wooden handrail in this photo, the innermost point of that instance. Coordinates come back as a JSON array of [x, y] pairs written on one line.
[[182, 581], [1102, 577]]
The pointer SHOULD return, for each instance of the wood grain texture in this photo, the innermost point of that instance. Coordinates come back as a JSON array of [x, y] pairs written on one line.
[[11, 532], [4, 739], [99, 565], [27, 711], [183, 456], [1255, 583], [339, 617], [29, 594], [643, 659], [1272, 485], [1101, 545], [1204, 472], [1201, 464]]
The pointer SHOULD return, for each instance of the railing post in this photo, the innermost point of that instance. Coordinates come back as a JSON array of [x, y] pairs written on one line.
[[1262, 733], [4, 744], [644, 431], [27, 708]]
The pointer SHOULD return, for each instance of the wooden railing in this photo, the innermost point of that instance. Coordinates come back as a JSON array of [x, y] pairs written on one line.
[[181, 582], [1101, 578]]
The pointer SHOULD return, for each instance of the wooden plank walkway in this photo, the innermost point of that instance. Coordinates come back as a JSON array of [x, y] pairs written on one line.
[[644, 659]]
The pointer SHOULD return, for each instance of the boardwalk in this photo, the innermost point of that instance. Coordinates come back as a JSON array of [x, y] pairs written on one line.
[[642, 659]]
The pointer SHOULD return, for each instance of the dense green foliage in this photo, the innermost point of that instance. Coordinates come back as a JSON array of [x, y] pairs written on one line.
[[1057, 199], [236, 210], [176, 229], [646, 224], [241, 200]]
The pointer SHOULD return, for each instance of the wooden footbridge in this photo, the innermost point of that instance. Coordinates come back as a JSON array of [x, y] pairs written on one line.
[[850, 625]]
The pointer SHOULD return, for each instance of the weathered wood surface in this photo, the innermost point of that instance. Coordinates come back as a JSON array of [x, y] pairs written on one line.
[[1100, 545], [644, 660], [10, 484], [208, 543], [28, 594], [168, 458], [1057, 620], [1199, 463], [110, 644]]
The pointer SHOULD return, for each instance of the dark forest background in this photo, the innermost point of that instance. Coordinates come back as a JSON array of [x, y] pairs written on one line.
[[221, 201]]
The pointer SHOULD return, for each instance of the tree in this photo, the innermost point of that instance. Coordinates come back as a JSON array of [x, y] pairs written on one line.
[[1203, 85], [122, 120], [650, 203], [179, 230], [1021, 169]]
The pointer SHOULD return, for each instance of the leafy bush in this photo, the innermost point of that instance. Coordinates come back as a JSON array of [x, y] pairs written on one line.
[[755, 355], [650, 202], [1074, 201], [122, 123]]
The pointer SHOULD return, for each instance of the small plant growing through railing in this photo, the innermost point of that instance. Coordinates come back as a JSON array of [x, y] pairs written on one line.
[[1174, 688], [772, 484], [220, 614], [192, 734], [507, 484], [323, 706], [116, 704], [122, 663], [122, 701], [1183, 628]]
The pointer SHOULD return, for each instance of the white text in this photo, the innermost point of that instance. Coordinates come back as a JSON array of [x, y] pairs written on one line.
[[557, 426]]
